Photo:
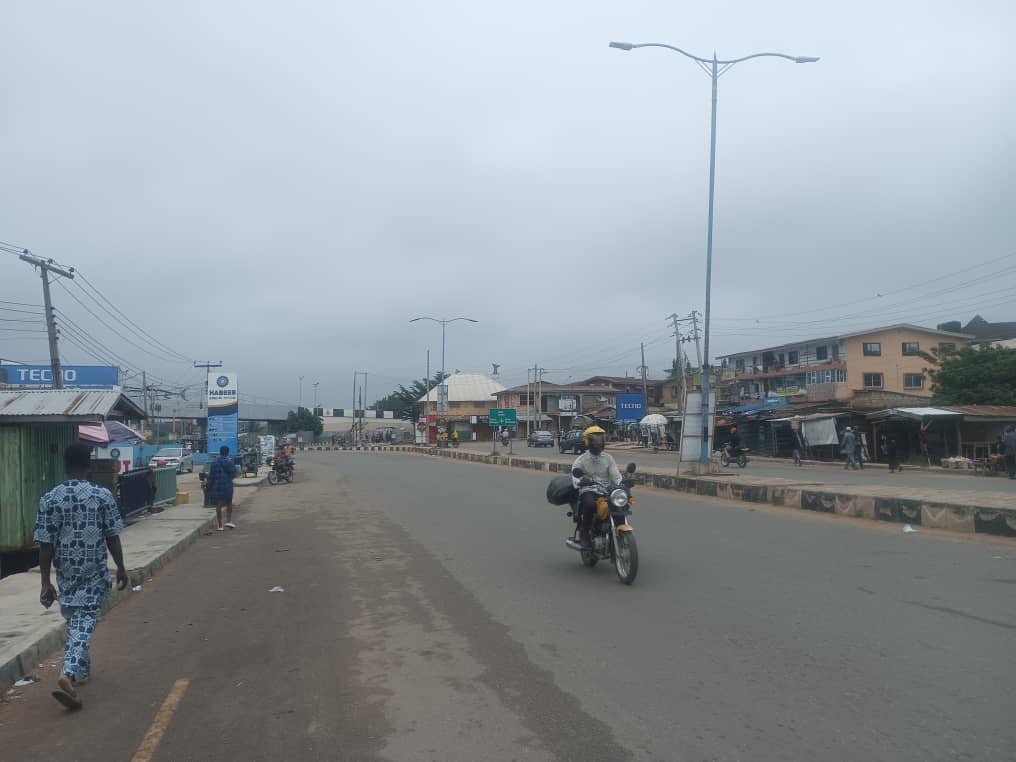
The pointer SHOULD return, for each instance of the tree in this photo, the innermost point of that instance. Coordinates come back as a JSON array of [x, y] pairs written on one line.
[[304, 420], [974, 376], [403, 401]]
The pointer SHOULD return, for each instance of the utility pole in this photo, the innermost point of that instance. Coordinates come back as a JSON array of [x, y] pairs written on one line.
[[679, 358], [695, 333], [46, 266], [352, 415], [316, 383], [645, 390], [299, 403], [426, 407]]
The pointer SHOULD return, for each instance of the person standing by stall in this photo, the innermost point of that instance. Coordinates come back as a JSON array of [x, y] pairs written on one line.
[[1010, 450], [892, 454], [78, 521]]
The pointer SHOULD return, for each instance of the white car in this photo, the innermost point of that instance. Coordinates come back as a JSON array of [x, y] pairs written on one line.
[[172, 456]]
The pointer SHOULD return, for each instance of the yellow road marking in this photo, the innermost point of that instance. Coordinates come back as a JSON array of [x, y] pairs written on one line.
[[158, 727]]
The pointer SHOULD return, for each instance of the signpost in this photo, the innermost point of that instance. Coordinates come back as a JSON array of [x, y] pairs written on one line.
[[501, 417], [223, 409], [74, 376]]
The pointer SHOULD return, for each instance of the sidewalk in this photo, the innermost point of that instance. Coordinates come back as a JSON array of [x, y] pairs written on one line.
[[31, 633]]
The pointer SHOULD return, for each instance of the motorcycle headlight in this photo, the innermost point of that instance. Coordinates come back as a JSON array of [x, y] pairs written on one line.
[[619, 498]]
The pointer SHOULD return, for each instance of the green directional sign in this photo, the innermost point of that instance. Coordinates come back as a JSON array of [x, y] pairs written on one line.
[[503, 416]]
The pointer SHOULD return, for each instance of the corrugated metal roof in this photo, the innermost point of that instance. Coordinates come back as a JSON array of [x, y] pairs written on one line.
[[985, 411], [467, 387], [74, 404]]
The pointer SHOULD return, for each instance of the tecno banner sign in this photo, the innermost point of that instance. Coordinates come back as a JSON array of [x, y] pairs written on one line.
[[223, 413], [74, 376], [630, 407]]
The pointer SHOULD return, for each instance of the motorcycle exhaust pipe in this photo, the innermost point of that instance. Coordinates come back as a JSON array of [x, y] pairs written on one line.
[[573, 544]]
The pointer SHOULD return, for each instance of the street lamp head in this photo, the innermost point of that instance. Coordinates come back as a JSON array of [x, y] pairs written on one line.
[[805, 59], [621, 45]]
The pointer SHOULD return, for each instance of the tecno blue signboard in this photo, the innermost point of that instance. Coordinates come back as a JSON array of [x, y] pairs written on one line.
[[630, 407], [74, 376]]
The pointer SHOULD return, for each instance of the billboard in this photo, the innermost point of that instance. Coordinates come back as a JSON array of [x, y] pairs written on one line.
[[74, 376], [630, 407], [223, 413], [568, 403]]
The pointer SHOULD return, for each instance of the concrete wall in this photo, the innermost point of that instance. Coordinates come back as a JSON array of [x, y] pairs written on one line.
[[892, 363]]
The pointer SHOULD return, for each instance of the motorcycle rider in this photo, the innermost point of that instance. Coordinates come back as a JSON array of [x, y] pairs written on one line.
[[598, 467], [734, 443]]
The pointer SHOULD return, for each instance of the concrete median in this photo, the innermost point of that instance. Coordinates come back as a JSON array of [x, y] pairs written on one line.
[[976, 513]]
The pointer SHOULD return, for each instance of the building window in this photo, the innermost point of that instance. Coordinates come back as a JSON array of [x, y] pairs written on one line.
[[524, 400], [821, 353], [841, 377], [872, 349], [836, 351], [911, 348], [739, 365], [793, 358], [872, 380], [913, 380]]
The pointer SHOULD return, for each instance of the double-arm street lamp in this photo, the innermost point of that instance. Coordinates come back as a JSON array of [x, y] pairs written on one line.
[[444, 324], [714, 68]]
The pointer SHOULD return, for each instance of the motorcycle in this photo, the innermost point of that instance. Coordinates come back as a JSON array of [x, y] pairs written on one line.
[[729, 455], [612, 534], [281, 471]]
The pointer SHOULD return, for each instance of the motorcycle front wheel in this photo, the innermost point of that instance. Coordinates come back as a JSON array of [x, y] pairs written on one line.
[[273, 478], [724, 460], [742, 460], [626, 557]]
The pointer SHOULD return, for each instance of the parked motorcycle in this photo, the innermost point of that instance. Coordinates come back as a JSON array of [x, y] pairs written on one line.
[[282, 471], [730, 455], [612, 534]]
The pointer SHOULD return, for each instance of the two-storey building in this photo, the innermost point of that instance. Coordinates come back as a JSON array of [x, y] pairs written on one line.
[[888, 360]]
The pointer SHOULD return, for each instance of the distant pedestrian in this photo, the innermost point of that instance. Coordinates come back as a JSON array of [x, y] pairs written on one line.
[[798, 444], [849, 448], [860, 451], [891, 454], [77, 523], [922, 440], [1010, 450], [220, 487]]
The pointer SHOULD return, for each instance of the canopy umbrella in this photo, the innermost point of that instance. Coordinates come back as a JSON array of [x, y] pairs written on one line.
[[654, 419], [106, 432]]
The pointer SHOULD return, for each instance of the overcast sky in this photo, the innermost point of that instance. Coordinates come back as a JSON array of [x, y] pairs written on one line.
[[282, 186]]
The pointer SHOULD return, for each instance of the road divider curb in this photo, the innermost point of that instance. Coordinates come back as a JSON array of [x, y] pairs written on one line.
[[953, 517]]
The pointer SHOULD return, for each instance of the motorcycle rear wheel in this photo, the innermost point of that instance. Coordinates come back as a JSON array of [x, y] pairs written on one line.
[[742, 460], [273, 478], [626, 557]]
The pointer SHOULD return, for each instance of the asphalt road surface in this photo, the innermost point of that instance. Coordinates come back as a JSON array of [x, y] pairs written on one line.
[[432, 612], [830, 473]]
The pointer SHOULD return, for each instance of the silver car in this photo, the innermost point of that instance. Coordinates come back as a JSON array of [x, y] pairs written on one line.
[[172, 456]]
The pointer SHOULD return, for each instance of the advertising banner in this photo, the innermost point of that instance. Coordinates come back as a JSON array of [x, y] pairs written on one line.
[[568, 403], [630, 408], [123, 455], [74, 376], [695, 426], [223, 413]]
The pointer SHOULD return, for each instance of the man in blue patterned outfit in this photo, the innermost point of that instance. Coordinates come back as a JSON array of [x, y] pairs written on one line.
[[220, 486], [76, 524]]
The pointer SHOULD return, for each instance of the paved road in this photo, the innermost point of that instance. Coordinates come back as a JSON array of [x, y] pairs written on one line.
[[812, 473], [432, 612]]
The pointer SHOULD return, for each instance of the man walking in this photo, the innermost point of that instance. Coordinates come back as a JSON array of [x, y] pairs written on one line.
[[1010, 450], [77, 522], [892, 454], [849, 448], [220, 487], [797, 442]]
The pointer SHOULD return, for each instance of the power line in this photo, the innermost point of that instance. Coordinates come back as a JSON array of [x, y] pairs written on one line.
[[113, 330], [139, 330]]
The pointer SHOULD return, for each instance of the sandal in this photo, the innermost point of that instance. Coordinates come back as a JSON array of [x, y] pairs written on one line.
[[67, 695]]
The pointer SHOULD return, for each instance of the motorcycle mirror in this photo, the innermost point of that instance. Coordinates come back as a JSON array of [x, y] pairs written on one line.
[[631, 468], [578, 473]]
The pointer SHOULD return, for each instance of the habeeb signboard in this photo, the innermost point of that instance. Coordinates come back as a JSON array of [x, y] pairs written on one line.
[[223, 413]]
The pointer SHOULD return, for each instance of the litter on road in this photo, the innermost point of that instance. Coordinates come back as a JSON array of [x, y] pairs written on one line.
[[26, 681], [277, 589], [136, 588], [908, 529]]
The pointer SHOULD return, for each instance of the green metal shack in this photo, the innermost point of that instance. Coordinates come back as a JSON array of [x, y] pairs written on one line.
[[35, 428]]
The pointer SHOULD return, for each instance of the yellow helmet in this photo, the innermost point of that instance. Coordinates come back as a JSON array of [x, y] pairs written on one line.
[[590, 431]]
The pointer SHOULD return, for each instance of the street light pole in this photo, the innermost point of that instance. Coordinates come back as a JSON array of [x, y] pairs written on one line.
[[444, 324], [300, 403], [714, 68]]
